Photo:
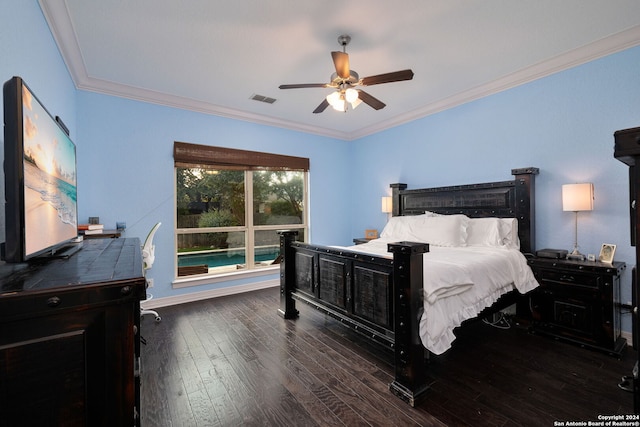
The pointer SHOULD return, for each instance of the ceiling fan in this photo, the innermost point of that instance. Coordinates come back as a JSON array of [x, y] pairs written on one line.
[[344, 80]]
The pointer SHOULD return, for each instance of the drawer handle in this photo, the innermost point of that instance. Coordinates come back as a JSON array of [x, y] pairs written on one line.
[[53, 302], [565, 278], [125, 290]]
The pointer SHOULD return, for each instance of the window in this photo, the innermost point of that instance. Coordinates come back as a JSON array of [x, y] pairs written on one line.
[[230, 205]]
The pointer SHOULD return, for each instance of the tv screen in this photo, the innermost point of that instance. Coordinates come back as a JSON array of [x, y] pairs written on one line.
[[40, 177]]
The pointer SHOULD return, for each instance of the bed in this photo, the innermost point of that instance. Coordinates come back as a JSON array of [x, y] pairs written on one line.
[[410, 288]]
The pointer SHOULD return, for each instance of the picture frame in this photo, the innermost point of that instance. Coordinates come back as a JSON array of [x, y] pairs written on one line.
[[606, 253], [370, 234]]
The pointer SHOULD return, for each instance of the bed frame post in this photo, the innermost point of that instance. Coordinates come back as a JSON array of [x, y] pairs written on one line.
[[287, 308], [410, 383], [396, 199], [525, 207]]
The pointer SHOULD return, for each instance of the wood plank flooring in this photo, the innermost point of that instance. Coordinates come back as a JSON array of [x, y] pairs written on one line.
[[232, 361]]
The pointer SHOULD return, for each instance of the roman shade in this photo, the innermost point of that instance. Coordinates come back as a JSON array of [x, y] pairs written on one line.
[[190, 155]]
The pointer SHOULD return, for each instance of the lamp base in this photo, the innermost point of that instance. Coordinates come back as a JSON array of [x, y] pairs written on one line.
[[576, 255]]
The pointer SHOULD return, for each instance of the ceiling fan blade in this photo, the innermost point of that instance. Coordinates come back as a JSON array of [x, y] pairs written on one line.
[[341, 62], [396, 76], [373, 102], [303, 85], [320, 108]]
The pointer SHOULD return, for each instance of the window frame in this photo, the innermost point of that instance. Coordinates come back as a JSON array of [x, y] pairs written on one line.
[[200, 156]]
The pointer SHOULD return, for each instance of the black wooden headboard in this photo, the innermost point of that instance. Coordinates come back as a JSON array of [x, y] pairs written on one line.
[[503, 199]]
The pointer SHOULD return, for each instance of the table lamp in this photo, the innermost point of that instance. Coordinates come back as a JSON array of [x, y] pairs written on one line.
[[576, 198], [387, 205]]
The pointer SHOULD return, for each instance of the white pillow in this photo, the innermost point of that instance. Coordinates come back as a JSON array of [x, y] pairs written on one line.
[[402, 226], [444, 230], [493, 232], [396, 227], [509, 227]]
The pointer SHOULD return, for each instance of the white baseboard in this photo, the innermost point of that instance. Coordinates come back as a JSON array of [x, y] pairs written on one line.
[[213, 293]]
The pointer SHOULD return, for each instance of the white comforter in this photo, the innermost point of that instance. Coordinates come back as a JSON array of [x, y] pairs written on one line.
[[459, 282]]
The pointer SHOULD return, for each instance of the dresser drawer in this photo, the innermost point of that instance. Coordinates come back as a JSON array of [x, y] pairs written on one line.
[[23, 304], [19, 304]]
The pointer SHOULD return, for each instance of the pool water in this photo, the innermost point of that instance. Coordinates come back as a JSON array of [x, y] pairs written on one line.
[[220, 259]]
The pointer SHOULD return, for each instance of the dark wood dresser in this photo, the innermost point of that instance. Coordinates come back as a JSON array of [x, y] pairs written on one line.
[[69, 337]]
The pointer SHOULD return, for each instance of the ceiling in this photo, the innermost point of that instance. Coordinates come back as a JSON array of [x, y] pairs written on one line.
[[214, 56]]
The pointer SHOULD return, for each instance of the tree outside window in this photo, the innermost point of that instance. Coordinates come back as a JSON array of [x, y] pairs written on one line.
[[227, 220]]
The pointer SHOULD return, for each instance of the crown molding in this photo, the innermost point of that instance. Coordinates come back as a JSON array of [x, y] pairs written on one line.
[[61, 27], [599, 49]]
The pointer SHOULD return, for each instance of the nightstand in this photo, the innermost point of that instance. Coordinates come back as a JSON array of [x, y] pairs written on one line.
[[578, 301], [360, 240]]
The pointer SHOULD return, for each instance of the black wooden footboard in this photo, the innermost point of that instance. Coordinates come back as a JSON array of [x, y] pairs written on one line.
[[378, 297]]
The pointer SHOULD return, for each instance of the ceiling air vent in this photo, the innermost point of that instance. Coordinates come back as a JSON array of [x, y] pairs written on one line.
[[263, 99]]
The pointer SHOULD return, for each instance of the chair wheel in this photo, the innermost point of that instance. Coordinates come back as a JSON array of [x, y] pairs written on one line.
[[158, 319]]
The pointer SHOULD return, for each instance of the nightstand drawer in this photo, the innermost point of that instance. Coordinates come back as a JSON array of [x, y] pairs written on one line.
[[569, 278]]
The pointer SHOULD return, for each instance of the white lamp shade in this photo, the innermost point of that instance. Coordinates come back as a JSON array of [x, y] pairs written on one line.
[[333, 97], [355, 103], [351, 95], [387, 204], [577, 197], [339, 105]]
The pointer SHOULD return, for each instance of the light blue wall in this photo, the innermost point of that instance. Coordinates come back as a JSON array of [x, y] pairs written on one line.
[[28, 50], [125, 171], [562, 124]]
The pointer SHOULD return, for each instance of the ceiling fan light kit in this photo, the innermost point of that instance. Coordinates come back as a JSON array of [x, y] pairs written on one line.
[[339, 99], [351, 95], [344, 81]]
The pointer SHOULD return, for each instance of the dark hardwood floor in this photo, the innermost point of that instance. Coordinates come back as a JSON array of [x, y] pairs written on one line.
[[233, 361]]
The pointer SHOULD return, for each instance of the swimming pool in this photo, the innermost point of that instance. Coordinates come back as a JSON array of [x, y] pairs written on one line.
[[227, 257]]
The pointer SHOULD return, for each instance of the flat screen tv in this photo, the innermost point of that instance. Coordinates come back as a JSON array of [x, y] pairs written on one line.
[[40, 178]]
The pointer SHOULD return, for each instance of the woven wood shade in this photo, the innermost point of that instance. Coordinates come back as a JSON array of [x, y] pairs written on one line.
[[190, 155]]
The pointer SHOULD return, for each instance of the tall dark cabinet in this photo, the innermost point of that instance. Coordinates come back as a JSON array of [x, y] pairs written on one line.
[[69, 338], [627, 150]]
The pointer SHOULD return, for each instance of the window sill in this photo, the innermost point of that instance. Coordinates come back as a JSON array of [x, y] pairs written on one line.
[[188, 281]]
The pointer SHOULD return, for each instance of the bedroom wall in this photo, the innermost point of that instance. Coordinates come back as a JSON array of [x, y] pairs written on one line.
[[126, 171], [562, 124], [28, 50], [125, 158]]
